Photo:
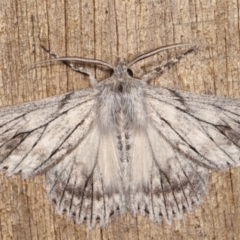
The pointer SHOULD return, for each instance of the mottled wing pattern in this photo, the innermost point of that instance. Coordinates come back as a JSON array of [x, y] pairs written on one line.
[[187, 134], [35, 136]]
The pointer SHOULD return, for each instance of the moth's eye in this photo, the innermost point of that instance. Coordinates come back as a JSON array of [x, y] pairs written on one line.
[[111, 72], [130, 72]]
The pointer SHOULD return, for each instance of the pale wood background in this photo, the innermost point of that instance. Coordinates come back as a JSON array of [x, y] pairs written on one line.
[[109, 30]]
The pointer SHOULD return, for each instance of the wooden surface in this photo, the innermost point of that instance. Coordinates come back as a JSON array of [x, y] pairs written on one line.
[[109, 30]]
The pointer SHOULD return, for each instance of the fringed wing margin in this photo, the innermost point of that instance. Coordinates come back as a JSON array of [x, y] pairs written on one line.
[[87, 184], [164, 183]]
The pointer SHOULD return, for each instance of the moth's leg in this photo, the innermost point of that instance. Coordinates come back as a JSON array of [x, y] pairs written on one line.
[[76, 68], [160, 70]]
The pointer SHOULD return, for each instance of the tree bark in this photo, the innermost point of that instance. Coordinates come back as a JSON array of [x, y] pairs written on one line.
[[113, 30]]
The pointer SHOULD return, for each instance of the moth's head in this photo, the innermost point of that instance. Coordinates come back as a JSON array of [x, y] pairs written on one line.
[[122, 70]]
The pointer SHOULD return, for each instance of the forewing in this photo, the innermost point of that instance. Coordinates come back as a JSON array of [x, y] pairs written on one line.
[[204, 128], [36, 135]]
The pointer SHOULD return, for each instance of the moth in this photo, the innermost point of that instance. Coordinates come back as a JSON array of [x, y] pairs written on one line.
[[121, 145]]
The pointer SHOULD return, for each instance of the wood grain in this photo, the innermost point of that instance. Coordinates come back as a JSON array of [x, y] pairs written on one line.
[[113, 30]]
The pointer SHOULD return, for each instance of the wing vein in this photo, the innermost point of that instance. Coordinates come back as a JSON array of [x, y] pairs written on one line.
[[68, 179], [177, 149], [30, 149], [193, 189], [86, 183], [63, 141], [13, 148], [165, 175], [73, 193], [196, 118]]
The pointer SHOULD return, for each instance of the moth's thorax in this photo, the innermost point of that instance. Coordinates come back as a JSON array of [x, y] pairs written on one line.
[[121, 102]]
